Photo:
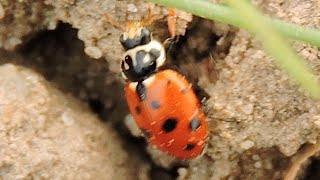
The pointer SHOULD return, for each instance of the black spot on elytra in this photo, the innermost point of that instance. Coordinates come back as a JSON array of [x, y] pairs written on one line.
[[168, 82], [128, 60], [189, 147], [142, 91], [146, 133], [194, 124], [155, 105], [169, 125], [138, 110]]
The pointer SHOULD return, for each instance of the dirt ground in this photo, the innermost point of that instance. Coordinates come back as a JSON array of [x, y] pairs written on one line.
[[64, 115]]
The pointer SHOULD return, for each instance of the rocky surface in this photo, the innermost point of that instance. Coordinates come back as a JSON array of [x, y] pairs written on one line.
[[46, 134]]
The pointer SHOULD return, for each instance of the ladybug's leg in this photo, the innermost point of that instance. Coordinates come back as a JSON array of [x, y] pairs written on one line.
[[150, 18], [168, 43], [172, 22], [172, 19]]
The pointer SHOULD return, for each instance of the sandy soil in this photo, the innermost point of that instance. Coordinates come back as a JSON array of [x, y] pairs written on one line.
[[59, 65]]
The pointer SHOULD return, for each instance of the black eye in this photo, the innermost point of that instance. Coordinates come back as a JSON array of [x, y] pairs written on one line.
[[128, 60]]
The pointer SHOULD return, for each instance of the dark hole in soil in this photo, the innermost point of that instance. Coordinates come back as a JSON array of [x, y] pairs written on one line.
[[59, 55], [198, 42], [96, 105], [158, 173], [313, 170]]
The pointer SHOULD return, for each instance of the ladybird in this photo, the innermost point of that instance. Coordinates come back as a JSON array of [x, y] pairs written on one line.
[[161, 101]]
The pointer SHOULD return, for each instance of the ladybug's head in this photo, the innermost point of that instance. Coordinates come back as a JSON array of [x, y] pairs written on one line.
[[143, 56]]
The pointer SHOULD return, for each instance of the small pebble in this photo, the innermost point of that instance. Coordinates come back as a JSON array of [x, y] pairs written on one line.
[[93, 52], [41, 119], [52, 25], [247, 109], [296, 20], [132, 8], [258, 164], [13, 146], [67, 119], [12, 42], [247, 144], [182, 173], [317, 123]]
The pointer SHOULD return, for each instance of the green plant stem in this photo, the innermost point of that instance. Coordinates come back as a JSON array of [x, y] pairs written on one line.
[[273, 42], [243, 15], [225, 14]]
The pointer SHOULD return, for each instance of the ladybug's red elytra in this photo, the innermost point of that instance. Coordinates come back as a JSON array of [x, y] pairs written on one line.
[[162, 102]]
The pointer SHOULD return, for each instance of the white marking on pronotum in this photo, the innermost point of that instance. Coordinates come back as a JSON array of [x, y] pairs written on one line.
[[133, 85], [146, 58], [147, 82]]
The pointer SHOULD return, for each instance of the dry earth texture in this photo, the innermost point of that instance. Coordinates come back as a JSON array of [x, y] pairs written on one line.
[[63, 114]]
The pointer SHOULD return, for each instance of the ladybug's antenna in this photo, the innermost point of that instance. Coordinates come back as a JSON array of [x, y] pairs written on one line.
[[115, 24], [133, 27], [150, 18], [172, 18]]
